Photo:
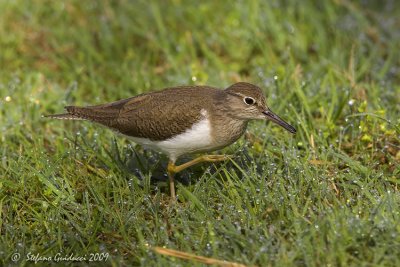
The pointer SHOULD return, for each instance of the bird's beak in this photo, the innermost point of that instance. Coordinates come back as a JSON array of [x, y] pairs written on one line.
[[275, 118]]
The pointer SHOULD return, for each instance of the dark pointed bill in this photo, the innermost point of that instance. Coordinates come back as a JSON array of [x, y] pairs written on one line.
[[275, 118]]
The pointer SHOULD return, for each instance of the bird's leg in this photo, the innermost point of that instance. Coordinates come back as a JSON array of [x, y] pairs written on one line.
[[204, 158], [172, 168], [171, 174]]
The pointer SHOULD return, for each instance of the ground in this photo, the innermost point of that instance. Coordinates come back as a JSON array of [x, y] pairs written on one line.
[[327, 196]]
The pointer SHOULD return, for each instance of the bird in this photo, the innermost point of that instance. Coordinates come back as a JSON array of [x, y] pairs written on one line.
[[183, 120]]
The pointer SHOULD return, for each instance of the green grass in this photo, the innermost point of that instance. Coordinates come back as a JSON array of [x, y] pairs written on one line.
[[328, 196]]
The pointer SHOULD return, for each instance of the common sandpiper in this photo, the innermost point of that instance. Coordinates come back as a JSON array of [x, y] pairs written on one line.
[[183, 120]]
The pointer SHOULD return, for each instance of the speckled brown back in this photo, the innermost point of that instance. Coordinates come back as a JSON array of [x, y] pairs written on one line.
[[156, 116]]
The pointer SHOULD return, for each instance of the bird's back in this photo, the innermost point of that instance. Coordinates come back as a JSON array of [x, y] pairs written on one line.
[[155, 116]]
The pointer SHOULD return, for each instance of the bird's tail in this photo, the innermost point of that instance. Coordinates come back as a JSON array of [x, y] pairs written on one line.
[[73, 113], [94, 113]]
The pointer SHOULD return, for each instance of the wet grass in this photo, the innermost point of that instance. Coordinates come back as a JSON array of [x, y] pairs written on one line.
[[327, 196]]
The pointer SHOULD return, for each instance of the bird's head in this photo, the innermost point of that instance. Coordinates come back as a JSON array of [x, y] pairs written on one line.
[[247, 102]]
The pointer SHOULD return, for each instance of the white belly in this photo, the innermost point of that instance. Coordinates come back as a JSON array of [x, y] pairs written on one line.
[[197, 138]]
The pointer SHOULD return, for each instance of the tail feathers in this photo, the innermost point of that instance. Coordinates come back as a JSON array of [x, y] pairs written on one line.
[[65, 116], [103, 116]]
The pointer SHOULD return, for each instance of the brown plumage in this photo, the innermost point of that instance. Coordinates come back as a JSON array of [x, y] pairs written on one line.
[[156, 116], [170, 112]]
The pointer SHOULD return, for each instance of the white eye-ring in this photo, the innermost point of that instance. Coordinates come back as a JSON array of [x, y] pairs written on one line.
[[249, 100]]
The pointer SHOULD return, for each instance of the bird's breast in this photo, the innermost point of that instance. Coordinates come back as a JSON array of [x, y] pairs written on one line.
[[226, 130]]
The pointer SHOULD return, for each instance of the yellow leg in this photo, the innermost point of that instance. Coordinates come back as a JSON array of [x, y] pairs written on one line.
[[172, 168], [171, 180]]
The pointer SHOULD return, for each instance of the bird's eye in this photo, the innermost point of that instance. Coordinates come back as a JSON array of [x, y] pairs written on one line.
[[249, 100]]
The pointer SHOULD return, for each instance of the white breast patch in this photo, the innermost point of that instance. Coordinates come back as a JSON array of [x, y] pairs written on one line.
[[197, 138]]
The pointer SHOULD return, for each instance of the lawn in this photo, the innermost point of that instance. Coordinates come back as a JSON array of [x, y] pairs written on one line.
[[327, 196]]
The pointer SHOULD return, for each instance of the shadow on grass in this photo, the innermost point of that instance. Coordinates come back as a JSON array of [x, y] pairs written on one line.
[[139, 162]]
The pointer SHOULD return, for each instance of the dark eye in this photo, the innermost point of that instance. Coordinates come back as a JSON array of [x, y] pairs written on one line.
[[249, 101]]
